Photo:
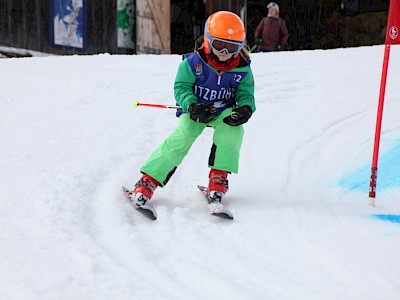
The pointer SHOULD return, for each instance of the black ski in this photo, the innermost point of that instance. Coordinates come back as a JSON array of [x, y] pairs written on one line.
[[146, 210], [225, 214]]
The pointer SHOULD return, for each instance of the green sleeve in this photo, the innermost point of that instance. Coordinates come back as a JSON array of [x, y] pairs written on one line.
[[245, 91], [183, 86]]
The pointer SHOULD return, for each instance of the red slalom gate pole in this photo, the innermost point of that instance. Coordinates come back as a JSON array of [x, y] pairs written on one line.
[[374, 168], [137, 104]]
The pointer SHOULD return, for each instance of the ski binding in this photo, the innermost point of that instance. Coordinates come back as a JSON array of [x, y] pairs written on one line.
[[224, 213], [146, 210]]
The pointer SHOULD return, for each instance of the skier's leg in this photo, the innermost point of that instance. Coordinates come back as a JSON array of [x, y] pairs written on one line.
[[163, 162], [227, 142]]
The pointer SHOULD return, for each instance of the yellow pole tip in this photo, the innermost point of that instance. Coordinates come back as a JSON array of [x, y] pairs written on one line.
[[135, 103]]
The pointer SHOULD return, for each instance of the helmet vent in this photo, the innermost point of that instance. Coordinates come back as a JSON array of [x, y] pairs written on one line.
[[230, 31]]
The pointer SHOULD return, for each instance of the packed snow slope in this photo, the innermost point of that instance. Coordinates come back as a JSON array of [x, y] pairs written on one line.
[[70, 139]]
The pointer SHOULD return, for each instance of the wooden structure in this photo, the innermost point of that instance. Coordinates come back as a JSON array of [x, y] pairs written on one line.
[[25, 24], [153, 27]]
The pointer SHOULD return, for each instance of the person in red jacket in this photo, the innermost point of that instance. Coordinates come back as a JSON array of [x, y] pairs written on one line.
[[271, 34]]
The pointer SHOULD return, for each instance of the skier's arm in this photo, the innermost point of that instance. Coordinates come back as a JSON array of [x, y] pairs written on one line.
[[284, 34], [259, 30], [183, 86], [245, 91]]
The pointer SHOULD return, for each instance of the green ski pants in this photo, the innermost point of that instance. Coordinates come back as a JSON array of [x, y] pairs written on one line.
[[227, 141]]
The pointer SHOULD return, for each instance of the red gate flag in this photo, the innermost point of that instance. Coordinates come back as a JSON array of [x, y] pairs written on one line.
[[393, 25], [392, 38]]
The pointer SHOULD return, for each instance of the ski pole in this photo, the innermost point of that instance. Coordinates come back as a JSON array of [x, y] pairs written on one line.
[[137, 104], [252, 48]]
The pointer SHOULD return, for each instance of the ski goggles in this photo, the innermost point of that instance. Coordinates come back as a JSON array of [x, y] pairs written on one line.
[[231, 47]]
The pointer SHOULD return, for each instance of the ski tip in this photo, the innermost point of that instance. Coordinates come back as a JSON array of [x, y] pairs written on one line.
[[148, 212], [224, 215], [126, 192]]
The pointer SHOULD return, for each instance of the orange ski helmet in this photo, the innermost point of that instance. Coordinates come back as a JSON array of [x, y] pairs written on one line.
[[224, 25]]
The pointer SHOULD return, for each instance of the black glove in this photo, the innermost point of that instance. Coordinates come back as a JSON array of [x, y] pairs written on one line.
[[202, 112], [239, 116]]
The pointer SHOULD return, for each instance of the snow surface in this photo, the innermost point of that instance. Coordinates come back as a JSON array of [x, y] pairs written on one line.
[[302, 230]]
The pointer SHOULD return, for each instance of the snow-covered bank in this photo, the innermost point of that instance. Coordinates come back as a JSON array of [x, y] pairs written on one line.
[[11, 51], [70, 138]]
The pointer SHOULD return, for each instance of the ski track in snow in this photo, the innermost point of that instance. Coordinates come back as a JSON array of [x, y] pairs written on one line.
[[71, 139]]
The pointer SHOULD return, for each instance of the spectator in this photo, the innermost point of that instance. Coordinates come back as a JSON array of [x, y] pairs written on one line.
[[271, 34]]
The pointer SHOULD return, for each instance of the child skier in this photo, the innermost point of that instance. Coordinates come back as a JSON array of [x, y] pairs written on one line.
[[215, 88]]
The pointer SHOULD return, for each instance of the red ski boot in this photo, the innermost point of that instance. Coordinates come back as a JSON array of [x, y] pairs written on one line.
[[218, 187], [144, 190]]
